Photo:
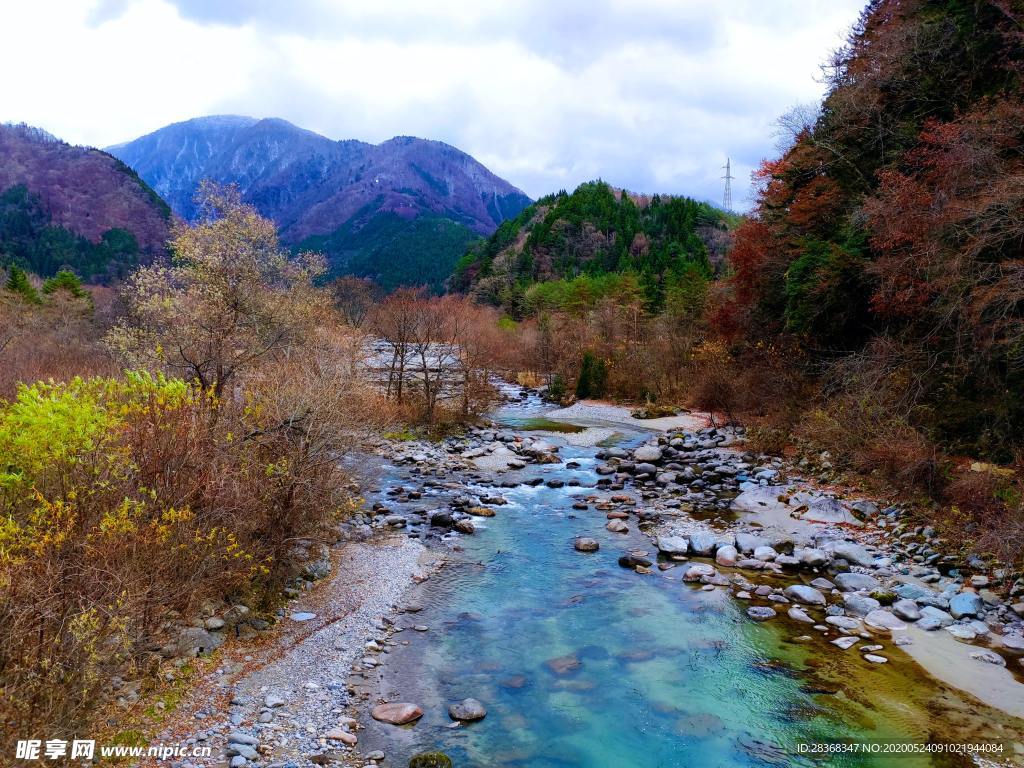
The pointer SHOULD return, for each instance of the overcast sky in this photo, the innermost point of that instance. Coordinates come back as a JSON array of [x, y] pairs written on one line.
[[651, 95]]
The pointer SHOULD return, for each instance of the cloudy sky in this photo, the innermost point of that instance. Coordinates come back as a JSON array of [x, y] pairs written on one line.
[[651, 95]]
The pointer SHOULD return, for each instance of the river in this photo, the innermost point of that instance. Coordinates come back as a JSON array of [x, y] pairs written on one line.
[[586, 664]]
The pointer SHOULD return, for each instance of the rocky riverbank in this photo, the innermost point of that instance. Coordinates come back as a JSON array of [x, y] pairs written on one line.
[[859, 575]]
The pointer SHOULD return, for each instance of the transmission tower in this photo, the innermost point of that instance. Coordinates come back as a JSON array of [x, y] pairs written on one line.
[[727, 196]]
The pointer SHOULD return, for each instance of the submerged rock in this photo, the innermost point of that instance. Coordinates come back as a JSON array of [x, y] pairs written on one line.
[[430, 760]]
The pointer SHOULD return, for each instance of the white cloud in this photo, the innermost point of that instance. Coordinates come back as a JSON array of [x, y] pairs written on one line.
[[648, 94]]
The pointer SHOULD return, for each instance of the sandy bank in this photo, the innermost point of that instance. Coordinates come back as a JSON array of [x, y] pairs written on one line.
[[601, 413]]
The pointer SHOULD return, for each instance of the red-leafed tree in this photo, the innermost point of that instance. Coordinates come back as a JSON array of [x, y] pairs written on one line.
[[896, 220]]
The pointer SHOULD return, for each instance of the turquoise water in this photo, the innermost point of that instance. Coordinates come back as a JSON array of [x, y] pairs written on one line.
[[657, 672]]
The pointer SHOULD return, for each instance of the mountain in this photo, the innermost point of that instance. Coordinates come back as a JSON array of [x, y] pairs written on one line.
[[568, 250], [357, 202], [77, 207]]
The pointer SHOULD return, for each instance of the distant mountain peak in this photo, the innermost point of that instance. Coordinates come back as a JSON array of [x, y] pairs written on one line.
[[329, 190], [312, 185]]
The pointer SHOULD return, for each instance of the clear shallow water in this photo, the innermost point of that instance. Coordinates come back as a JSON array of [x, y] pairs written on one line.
[[583, 663]]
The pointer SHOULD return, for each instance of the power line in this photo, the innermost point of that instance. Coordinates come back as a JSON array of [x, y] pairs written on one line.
[[727, 197]]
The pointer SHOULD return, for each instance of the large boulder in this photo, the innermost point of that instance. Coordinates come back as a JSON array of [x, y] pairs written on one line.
[[934, 618], [906, 610], [673, 545], [748, 542], [811, 557], [852, 553], [860, 605], [703, 543], [726, 555], [853, 582], [647, 453], [966, 604], [801, 593], [879, 619], [698, 571]]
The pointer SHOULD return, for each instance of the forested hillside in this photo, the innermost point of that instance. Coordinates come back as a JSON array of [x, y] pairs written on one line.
[[569, 250], [887, 241], [74, 207]]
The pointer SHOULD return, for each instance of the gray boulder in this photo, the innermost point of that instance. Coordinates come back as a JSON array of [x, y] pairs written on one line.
[[673, 545], [860, 605], [852, 582], [703, 543], [906, 610], [647, 453], [966, 604], [801, 593]]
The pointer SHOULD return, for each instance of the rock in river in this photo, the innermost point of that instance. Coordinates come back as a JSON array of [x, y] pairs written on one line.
[[673, 545], [880, 619], [801, 593], [586, 544], [563, 665], [617, 526], [726, 555], [396, 713], [430, 760], [760, 612], [697, 571], [906, 610], [647, 453], [860, 605], [965, 604], [703, 543], [467, 710], [852, 582]]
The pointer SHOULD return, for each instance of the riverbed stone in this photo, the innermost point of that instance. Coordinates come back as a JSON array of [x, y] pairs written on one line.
[[906, 610], [430, 760], [761, 612], [673, 545], [848, 623], [934, 618], [586, 544], [846, 642], [880, 619], [647, 453], [697, 571], [853, 582], [467, 710], [748, 542], [852, 553], [966, 604], [860, 605], [799, 614], [396, 713], [726, 555], [801, 593], [703, 543], [563, 665], [617, 526]]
